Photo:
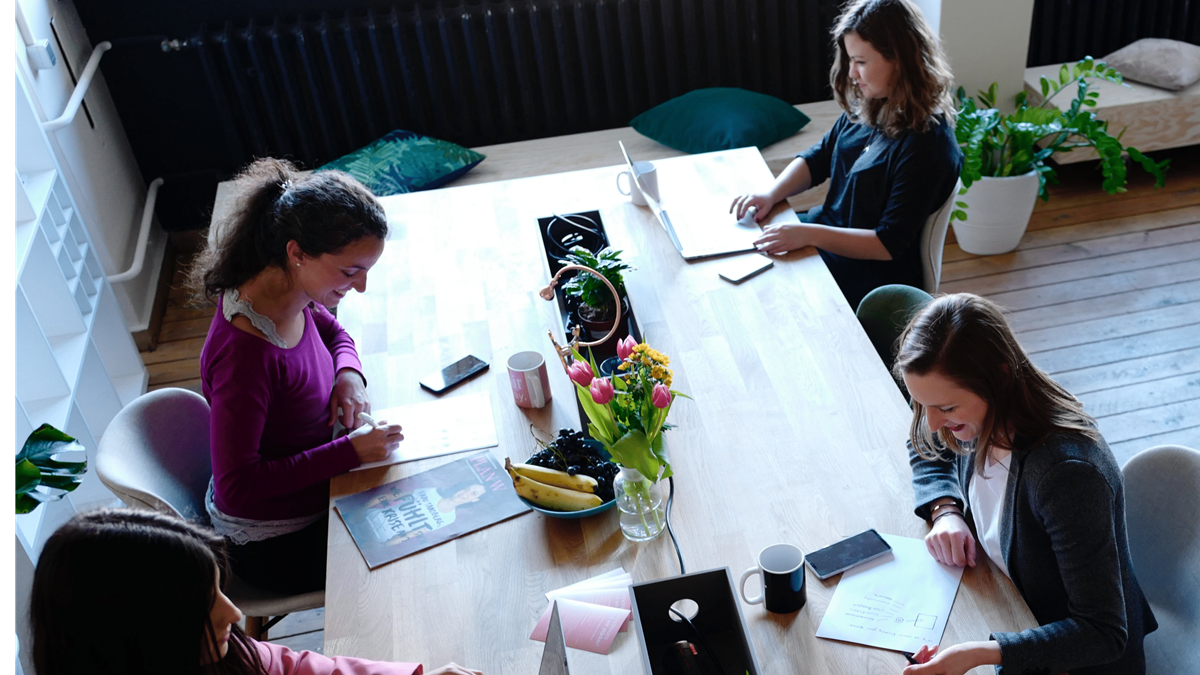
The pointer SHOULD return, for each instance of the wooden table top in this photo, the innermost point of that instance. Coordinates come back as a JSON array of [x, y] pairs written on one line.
[[795, 434]]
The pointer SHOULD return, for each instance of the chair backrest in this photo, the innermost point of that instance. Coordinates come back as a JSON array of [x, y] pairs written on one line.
[[933, 242], [1162, 512], [884, 313], [154, 454]]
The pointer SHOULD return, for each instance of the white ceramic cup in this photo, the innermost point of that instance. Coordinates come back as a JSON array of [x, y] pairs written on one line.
[[647, 175], [529, 380], [781, 570]]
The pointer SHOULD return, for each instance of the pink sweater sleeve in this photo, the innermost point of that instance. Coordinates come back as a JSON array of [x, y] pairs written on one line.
[[279, 660], [239, 408], [339, 342]]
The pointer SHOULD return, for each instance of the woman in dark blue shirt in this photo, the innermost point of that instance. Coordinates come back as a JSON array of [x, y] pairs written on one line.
[[891, 158]]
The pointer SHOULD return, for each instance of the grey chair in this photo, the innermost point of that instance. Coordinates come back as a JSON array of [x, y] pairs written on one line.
[[1162, 513], [884, 313], [155, 455], [933, 242]]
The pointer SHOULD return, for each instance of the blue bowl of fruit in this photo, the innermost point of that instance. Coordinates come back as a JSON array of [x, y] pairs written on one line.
[[569, 478]]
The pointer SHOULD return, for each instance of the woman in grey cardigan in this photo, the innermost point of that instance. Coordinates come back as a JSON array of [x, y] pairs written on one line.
[[995, 443]]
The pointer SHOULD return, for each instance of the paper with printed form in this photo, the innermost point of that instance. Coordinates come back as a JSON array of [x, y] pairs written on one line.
[[440, 427], [900, 601]]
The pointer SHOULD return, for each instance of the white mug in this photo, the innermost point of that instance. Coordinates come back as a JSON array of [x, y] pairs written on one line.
[[529, 380], [647, 175]]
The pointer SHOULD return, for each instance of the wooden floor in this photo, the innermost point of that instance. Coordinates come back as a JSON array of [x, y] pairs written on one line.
[[1104, 293]]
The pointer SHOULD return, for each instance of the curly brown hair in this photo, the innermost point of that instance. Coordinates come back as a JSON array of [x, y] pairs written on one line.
[[965, 338], [322, 212], [924, 85]]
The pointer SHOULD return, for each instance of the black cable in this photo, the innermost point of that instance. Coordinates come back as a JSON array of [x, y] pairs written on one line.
[[716, 663], [670, 530]]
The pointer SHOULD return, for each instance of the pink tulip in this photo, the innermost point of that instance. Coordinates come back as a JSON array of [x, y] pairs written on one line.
[[661, 396], [601, 390], [580, 373], [625, 347]]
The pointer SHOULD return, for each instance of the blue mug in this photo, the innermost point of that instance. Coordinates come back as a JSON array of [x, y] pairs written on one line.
[[781, 567]]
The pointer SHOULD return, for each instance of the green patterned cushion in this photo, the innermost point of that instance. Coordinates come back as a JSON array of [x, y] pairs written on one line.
[[403, 162]]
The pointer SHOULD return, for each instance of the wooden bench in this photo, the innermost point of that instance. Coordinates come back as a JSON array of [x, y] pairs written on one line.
[[595, 149], [1153, 118]]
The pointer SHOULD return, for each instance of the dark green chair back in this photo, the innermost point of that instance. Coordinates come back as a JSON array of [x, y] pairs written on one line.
[[884, 313]]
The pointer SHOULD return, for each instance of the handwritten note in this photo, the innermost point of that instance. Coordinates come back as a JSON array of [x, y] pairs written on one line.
[[900, 601], [440, 427]]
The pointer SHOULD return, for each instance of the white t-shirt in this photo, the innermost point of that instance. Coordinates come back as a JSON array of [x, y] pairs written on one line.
[[986, 497]]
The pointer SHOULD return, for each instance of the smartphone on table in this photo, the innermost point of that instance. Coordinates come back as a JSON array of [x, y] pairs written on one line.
[[442, 380], [847, 553]]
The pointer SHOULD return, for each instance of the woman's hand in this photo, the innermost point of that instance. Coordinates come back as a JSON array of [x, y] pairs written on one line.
[[374, 444], [777, 239], [950, 542], [349, 394], [454, 669], [742, 203], [955, 660]]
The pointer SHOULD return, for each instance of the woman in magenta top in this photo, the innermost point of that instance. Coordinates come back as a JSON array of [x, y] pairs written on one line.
[[104, 573], [277, 367]]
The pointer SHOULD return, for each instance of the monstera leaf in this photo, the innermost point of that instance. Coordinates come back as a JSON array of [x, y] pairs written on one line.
[[41, 476]]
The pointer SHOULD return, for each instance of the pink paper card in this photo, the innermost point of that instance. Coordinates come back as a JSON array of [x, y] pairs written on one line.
[[618, 598], [589, 627]]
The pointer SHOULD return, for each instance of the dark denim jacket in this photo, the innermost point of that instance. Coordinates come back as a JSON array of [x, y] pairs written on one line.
[[890, 185]]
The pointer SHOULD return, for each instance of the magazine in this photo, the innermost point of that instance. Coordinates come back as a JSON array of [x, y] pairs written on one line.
[[424, 510]]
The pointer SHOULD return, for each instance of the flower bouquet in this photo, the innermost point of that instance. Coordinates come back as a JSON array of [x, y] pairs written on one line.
[[627, 414]]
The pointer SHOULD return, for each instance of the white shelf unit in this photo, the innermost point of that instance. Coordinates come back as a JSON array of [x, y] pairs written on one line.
[[77, 364]]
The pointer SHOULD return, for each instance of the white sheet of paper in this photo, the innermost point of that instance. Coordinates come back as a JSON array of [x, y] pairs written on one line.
[[440, 427], [610, 579], [900, 601]]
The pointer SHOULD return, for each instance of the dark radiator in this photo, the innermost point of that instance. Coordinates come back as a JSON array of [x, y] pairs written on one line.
[[1068, 30], [479, 72]]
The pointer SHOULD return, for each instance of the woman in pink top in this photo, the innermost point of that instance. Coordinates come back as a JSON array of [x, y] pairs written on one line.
[[277, 367], [124, 592]]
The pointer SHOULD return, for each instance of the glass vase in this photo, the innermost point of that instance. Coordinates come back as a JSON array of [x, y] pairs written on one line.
[[640, 501]]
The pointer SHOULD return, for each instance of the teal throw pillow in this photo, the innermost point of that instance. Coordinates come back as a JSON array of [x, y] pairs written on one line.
[[720, 118], [403, 162]]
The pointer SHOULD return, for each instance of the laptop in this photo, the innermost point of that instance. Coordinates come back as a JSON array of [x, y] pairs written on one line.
[[554, 656], [703, 228]]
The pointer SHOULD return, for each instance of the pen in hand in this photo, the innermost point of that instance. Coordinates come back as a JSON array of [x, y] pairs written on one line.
[[367, 419]]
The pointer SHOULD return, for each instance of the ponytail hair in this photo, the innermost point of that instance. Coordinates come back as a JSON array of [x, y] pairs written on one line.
[[322, 212]]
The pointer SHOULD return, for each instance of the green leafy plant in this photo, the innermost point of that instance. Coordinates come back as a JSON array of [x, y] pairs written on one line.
[[998, 145], [593, 295], [41, 476]]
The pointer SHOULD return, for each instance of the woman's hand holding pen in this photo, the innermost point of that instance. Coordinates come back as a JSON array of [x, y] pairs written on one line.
[[374, 441], [955, 660]]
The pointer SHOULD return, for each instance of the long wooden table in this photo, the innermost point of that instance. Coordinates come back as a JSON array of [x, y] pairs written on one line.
[[795, 434]]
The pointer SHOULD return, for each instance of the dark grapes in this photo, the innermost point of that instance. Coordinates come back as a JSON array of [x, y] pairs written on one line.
[[575, 453]]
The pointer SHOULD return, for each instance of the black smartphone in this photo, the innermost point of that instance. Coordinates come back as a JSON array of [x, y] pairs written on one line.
[[441, 380], [847, 553]]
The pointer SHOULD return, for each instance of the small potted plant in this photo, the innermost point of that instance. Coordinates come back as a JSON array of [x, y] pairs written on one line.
[[1005, 156], [593, 301], [627, 414]]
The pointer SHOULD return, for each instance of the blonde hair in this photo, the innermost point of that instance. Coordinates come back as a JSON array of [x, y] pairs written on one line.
[[965, 338], [924, 86]]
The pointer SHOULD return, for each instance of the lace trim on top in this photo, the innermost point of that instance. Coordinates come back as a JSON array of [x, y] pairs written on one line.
[[232, 304]]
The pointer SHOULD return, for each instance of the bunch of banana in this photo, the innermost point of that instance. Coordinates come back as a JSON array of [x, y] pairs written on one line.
[[553, 489]]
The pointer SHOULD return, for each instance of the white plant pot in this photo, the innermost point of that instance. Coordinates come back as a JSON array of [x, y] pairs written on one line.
[[998, 211]]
